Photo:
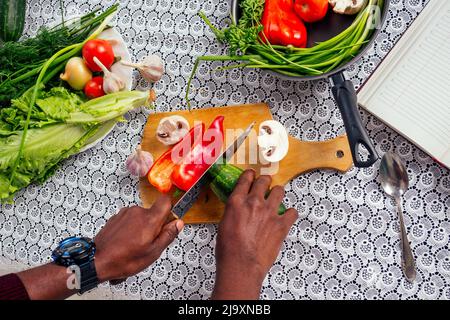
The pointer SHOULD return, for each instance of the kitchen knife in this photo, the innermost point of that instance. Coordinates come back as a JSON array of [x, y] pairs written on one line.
[[187, 200]]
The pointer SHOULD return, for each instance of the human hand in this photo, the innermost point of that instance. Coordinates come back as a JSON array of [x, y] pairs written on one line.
[[250, 237], [133, 239]]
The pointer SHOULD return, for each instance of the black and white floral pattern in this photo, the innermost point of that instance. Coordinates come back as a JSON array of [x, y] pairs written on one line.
[[345, 244]]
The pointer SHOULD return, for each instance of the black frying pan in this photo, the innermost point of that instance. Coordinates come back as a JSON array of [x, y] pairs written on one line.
[[343, 90]]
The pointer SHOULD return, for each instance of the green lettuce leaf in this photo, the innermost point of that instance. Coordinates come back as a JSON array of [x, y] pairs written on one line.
[[58, 103], [61, 124], [108, 107], [44, 149]]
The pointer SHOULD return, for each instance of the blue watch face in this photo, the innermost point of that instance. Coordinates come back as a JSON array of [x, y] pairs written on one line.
[[73, 250]]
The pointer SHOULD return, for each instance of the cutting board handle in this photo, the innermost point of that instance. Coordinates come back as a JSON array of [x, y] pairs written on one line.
[[305, 156]]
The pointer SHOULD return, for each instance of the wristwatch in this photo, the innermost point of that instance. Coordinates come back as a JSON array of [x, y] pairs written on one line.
[[78, 251]]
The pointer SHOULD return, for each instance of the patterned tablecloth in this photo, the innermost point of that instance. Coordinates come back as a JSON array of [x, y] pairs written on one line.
[[345, 244]]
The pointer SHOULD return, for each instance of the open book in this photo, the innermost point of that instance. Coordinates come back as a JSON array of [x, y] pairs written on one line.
[[410, 90]]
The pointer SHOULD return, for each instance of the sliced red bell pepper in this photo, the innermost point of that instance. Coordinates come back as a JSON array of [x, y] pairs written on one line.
[[201, 157], [281, 25], [160, 172]]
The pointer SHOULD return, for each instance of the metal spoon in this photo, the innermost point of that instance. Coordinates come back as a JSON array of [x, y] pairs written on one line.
[[394, 180]]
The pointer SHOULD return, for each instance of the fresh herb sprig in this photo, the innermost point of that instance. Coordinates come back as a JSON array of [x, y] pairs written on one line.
[[248, 45]]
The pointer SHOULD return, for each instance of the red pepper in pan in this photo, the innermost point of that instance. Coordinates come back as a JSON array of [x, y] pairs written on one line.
[[160, 172], [201, 157], [281, 24]]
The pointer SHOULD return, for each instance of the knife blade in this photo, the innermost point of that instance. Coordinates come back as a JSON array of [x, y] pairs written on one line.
[[183, 205]]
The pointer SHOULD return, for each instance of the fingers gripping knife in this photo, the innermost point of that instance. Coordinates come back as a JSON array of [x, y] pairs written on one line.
[[187, 200]]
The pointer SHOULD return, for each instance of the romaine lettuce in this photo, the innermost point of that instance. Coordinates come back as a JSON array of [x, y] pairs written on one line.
[[61, 123]]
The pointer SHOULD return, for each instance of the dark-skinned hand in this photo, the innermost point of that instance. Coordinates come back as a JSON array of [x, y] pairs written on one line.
[[250, 237], [134, 239]]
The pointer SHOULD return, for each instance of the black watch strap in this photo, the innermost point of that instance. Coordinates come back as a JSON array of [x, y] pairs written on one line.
[[88, 276]]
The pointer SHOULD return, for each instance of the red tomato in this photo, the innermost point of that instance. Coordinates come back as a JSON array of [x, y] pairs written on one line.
[[94, 88], [311, 10], [101, 49]]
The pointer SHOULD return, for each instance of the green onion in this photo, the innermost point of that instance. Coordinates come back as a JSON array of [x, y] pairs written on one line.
[[247, 43]]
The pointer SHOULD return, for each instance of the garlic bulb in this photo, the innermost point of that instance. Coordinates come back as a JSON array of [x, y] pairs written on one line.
[[273, 141], [111, 81], [349, 7], [139, 162], [172, 129], [151, 67]]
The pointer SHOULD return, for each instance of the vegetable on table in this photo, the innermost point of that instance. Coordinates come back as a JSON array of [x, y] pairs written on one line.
[[348, 7], [102, 50], [61, 127], [43, 150], [94, 88], [110, 107], [311, 10], [44, 75], [22, 61], [41, 123], [76, 73], [225, 177], [12, 19], [186, 173], [151, 67], [273, 141], [61, 105], [111, 81], [281, 25], [161, 171], [172, 129], [139, 162], [248, 47]]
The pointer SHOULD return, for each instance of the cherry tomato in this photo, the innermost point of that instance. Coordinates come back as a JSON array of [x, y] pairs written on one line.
[[101, 49], [94, 88], [311, 10]]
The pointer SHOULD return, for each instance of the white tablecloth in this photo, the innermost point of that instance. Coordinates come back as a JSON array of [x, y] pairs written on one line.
[[345, 243]]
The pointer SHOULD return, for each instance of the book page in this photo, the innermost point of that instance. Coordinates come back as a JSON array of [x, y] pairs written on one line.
[[410, 91]]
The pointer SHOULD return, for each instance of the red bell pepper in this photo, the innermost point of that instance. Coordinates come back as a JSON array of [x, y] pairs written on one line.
[[201, 157], [160, 172], [281, 25]]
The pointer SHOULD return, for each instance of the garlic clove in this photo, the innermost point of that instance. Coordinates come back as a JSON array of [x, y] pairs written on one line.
[[111, 81], [151, 67], [273, 141], [172, 129], [139, 162]]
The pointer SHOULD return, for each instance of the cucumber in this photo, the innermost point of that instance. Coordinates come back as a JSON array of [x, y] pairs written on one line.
[[225, 177], [12, 19]]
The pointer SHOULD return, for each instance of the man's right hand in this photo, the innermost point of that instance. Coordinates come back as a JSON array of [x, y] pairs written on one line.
[[134, 239], [250, 237]]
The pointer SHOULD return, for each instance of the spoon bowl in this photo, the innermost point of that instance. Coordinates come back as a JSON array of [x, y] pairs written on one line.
[[394, 181], [394, 178]]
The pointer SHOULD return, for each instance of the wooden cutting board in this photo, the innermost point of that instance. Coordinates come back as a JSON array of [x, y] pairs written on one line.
[[303, 156]]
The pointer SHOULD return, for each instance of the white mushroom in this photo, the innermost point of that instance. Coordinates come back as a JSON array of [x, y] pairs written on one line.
[[172, 129], [347, 6], [273, 141]]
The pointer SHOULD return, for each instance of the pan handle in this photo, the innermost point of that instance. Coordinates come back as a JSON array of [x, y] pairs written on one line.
[[345, 95]]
